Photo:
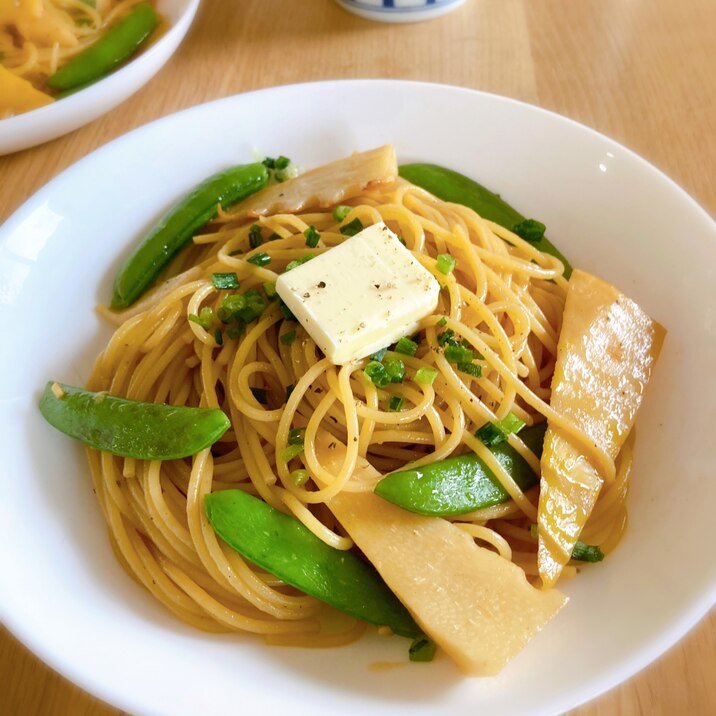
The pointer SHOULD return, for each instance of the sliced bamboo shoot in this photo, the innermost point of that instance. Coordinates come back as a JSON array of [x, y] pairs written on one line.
[[324, 186], [17, 95], [478, 607], [606, 352]]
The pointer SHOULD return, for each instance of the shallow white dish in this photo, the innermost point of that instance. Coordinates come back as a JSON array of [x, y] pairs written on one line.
[[64, 595], [40, 125]]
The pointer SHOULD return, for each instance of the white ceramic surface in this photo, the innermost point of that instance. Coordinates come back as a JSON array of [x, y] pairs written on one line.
[[62, 592], [400, 10], [32, 128]]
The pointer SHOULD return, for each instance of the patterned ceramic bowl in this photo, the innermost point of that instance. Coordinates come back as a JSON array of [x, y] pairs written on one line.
[[400, 10]]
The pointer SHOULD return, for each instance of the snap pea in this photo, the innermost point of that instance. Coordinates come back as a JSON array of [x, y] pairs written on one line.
[[449, 185], [131, 428], [114, 47], [176, 228], [461, 484], [287, 549]]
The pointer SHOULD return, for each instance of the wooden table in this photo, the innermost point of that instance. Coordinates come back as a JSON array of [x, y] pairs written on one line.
[[642, 72]]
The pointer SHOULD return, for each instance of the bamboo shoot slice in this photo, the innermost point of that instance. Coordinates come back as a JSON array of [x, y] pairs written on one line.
[[17, 95], [478, 607], [607, 349], [324, 186]]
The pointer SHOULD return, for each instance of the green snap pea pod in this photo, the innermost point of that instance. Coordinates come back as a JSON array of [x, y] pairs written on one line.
[[176, 228], [131, 428], [284, 547], [449, 185], [114, 47], [461, 484]]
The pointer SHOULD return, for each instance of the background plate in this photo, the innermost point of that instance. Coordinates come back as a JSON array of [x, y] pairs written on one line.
[[31, 128]]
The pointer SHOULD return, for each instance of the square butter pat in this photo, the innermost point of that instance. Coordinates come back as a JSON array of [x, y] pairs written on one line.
[[361, 295]]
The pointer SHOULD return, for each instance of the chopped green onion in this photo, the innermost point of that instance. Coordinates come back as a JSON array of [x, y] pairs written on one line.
[[340, 212], [426, 376], [396, 403], [295, 436], [379, 355], [230, 307], [260, 259], [458, 354], [442, 322], [218, 337], [312, 237], [270, 288], [291, 452], [297, 262], [225, 280], [422, 649], [288, 338], [510, 424], [352, 227], [289, 390], [282, 167], [286, 311], [587, 552], [255, 305], [235, 331], [275, 237], [446, 337], [490, 435], [299, 477], [205, 318], [260, 394], [375, 371], [395, 369], [406, 347], [495, 433], [446, 263], [473, 369], [255, 237], [530, 230]]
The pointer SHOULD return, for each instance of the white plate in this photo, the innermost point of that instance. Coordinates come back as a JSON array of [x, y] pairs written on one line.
[[62, 592], [40, 125]]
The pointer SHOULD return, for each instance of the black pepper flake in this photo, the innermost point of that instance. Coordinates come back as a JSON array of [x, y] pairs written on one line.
[[321, 284], [307, 295]]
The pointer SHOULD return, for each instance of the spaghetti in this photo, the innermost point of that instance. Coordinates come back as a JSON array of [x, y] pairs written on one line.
[[503, 301]]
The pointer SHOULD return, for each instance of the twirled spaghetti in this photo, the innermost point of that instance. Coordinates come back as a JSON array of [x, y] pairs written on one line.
[[504, 300]]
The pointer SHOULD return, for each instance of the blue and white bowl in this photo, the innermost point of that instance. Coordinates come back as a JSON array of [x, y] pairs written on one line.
[[399, 10]]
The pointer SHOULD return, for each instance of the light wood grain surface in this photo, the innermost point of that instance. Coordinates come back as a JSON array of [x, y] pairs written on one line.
[[640, 71]]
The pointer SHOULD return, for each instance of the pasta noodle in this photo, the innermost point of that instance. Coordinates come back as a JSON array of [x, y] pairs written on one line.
[[504, 300]]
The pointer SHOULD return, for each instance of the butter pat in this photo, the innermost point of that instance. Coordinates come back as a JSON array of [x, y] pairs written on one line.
[[361, 295]]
